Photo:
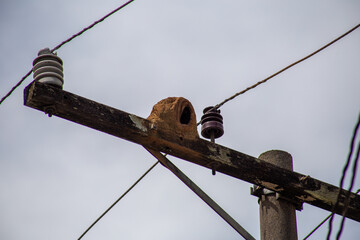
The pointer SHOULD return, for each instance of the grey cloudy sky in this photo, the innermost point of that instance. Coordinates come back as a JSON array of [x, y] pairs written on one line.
[[57, 177]]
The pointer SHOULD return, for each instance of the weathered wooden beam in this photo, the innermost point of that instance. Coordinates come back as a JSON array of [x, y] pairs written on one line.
[[159, 136]]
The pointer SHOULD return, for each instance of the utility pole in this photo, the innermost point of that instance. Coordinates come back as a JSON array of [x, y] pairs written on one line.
[[277, 215], [171, 129]]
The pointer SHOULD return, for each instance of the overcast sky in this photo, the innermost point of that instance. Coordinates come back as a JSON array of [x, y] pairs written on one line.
[[57, 177]]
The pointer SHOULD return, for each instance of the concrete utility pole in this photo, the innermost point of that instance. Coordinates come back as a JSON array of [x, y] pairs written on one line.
[[277, 216], [171, 129]]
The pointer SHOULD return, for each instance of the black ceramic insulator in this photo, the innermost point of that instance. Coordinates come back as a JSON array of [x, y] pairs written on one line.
[[212, 123]]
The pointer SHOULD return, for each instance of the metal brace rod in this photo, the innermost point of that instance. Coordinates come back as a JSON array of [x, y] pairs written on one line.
[[197, 190]]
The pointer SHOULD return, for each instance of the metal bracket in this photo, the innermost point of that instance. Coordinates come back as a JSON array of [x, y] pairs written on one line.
[[258, 191]]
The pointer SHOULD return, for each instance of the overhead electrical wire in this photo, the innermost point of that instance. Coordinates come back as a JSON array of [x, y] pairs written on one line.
[[322, 222], [280, 71], [347, 199], [284, 69], [65, 42], [345, 168], [16, 86], [318, 226], [123, 195], [91, 26]]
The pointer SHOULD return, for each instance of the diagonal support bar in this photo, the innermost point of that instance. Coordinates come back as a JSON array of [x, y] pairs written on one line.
[[197, 190]]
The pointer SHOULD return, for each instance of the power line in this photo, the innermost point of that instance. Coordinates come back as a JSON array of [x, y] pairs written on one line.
[[284, 69], [322, 222], [65, 42], [346, 166], [347, 200], [90, 26], [318, 226], [123, 195], [16, 86]]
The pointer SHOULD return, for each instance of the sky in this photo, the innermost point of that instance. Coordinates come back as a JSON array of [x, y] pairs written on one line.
[[57, 177]]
